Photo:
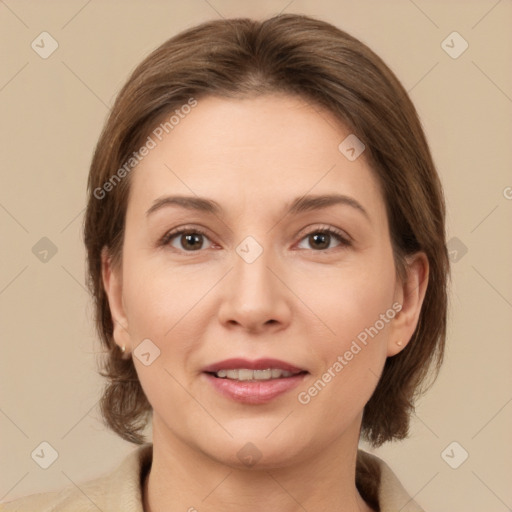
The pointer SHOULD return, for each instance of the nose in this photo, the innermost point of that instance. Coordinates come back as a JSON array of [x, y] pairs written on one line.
[[255, 297]]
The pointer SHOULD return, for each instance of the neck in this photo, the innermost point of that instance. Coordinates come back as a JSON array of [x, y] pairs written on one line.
[[185, 479]]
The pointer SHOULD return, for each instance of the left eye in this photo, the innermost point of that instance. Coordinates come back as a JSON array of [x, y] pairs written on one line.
[[320, 239]]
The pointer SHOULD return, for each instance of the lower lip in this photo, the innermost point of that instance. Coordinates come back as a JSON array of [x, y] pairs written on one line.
[[254, 392]]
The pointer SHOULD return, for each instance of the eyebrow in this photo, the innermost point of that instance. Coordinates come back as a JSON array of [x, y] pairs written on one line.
[[298, 205]]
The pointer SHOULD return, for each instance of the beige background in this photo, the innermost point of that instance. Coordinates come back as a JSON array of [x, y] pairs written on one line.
[[52, 111]]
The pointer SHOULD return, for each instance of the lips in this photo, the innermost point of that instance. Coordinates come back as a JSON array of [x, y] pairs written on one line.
[[258, 364], [253, 382]]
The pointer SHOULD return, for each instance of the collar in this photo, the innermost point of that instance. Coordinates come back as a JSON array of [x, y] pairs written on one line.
[[121, 489]]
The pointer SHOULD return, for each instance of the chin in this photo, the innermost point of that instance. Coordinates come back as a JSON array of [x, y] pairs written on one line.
[[256, 449]]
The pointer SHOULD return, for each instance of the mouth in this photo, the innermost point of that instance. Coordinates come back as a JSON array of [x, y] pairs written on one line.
[[259, 370], [246, 374], [253, 382]]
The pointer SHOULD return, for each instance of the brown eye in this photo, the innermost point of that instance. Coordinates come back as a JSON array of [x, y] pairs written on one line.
[[187, 240], [192, 241], [321, 239]]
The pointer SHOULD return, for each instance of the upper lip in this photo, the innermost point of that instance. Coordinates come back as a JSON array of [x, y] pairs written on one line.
[[258, 364]]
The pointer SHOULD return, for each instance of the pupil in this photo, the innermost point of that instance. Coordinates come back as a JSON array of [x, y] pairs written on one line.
[[192, 238], [323, 238]]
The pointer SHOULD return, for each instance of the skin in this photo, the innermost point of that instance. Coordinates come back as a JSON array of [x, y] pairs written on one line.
[[295, 302]]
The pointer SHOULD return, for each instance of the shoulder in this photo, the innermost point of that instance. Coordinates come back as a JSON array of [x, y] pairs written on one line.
[[42, 502], [118, 490], [63, 500], [378, 484]]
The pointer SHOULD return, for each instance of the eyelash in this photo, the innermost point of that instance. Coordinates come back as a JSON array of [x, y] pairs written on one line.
[[343, 240]]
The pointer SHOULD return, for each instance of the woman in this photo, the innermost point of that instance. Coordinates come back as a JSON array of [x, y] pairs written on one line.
[[266, 250]]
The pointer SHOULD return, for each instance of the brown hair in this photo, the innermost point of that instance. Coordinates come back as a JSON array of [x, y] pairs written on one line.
[[303, 56]]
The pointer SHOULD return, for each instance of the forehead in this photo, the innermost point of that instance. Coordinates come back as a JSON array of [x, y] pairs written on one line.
[[254, 153]]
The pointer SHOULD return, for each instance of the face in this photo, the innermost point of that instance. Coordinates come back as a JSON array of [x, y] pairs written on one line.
[[258, 276]]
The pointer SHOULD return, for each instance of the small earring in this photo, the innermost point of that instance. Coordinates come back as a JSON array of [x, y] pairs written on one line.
[[123, 348], [399, 343]]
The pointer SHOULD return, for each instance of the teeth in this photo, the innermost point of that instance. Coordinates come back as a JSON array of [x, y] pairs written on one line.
[[242, 374], [246, 374]]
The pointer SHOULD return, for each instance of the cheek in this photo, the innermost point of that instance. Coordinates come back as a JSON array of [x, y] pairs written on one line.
[[158, 298], [355, 304], [348, 366], [161, 305], [353, 298]]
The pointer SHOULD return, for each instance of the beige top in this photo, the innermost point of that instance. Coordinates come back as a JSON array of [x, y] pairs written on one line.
[[121, 490]]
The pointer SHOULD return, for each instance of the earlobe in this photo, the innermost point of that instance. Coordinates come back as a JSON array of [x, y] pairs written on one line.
[[112, 283], [410, 293]]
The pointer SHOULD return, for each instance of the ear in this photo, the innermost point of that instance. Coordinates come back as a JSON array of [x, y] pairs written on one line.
[[410, 294], [113, 285]]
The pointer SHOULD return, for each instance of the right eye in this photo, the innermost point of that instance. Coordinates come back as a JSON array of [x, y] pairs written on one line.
[[185, 239]]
